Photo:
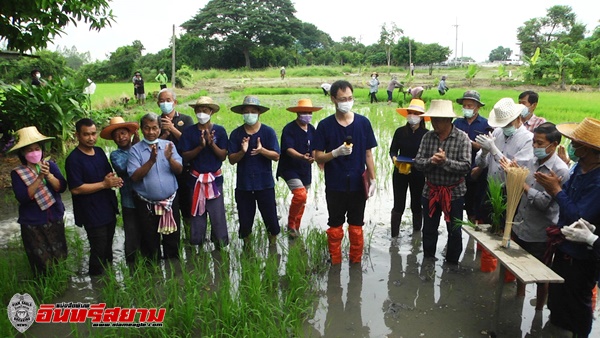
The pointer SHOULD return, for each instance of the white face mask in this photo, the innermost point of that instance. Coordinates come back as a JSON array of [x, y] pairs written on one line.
[[413, 119], [467, 113], [203, 118], [345, 107], [250, 119], [38, 75]]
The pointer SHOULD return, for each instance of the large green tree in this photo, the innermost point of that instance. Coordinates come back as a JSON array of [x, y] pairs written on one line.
[[32, 24], [123, 60], [558, 26], [431, 53], [244, 24], [500, 54]]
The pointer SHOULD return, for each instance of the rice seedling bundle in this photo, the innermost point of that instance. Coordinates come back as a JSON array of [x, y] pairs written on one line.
[[515, 177]]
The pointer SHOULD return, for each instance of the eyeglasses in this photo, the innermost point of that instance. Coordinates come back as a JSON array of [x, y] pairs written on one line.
[[344, 99]]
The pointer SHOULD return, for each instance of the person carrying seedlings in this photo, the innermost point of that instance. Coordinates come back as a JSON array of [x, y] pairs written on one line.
[[403, 150], [445, 158], [530, 100], [577, 255], [173, 124], [473, 124], [343, 143], [442, 88], [374, 86], [153, 167], [253, 147], [91, 182], [391, 86], [296, 159], [162, 79], [37, 184], [204, 147], [510, 139], [537, 209], [124, 134]]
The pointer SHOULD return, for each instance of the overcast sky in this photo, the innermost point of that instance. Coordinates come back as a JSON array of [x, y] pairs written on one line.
[[482, 25]]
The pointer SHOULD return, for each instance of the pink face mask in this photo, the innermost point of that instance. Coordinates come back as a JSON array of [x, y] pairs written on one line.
[[34, 157]]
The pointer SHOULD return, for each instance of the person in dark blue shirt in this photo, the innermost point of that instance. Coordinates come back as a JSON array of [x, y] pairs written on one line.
[[403, 150], [343, 144], [576, 259], [91, 180], [473, 124], [296, 158], [204, 147], [253, 147]]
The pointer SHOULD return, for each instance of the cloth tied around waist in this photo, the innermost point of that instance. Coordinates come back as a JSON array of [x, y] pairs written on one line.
[[43, 196], [205, 189], [441, 194], [404, 164], [166, 224]]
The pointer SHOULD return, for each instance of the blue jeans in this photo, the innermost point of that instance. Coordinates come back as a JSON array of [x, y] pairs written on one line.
[[430, 229]]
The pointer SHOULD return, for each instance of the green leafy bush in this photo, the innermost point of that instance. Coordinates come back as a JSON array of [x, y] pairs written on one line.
[[53, 108]]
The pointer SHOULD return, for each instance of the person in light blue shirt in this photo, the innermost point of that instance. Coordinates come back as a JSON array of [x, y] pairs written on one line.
[[153, 166]]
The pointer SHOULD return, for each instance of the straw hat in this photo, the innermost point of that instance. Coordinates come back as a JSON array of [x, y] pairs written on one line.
[[116, 123], [304, 106], [440, 108], [587, 132], [205, 101], [505, 111], [472, 95], [416, 106], [27, 136], [249, 100]]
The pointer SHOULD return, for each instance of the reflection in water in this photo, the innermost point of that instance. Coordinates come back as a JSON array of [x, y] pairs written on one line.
[[345, 317]]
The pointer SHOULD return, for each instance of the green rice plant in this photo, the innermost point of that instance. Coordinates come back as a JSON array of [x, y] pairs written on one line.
[[497, 201]]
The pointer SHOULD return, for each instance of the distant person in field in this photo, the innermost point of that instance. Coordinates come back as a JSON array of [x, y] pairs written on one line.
[[282, 72], [35, 77], [325, 87], [295, 164], [343, 144], [442, 88], [204, 147], [412, 69], [374, 87], [530, 100], [91, 180], [138, 84], [162, 79], [416, 92], [125, 134], [391, 86]]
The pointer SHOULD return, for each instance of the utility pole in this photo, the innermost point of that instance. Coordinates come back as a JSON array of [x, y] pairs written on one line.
[[173, 60], [456, 41], [409, 54]]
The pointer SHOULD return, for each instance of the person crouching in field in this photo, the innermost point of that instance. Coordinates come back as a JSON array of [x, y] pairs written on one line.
[[296, 159]]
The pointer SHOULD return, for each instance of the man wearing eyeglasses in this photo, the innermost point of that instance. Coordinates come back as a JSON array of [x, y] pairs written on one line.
[[343, 144]]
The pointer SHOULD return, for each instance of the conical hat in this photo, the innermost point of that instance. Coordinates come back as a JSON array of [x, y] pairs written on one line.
[[27, 136]]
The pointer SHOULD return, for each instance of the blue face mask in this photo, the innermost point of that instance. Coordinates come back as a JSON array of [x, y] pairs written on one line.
[[150, 142], [166, 107], [468, 113], [509, 130], [250, 119], [525, 112], [540, 153]]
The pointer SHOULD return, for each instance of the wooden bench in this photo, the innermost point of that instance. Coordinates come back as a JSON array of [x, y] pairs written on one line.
[[522, 264]]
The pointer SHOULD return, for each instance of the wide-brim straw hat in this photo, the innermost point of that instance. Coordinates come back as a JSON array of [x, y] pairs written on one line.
[[205, 101], [416, 106], [304, 106], [440, 108], [116, 123], [587, 132], [249, 100], [505, 111], [472, 95], [27, 136]]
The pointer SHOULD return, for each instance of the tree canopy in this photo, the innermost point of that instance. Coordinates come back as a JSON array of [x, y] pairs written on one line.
[[500, 54], [244, 24], [31, 24]]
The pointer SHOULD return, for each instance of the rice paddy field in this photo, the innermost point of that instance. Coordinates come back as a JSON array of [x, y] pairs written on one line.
[[291, 290]]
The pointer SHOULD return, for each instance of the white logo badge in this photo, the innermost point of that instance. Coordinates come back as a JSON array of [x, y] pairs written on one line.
[[21, 311]]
